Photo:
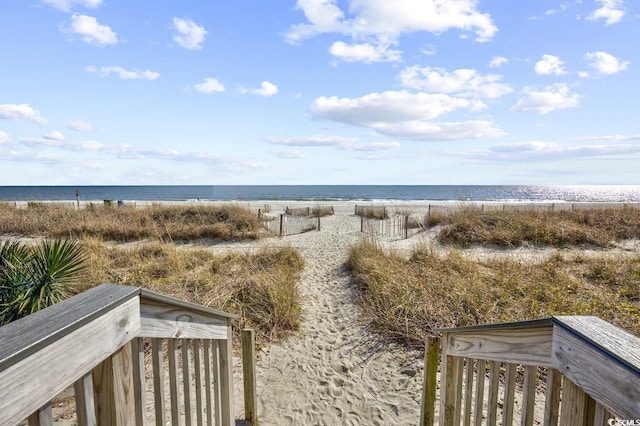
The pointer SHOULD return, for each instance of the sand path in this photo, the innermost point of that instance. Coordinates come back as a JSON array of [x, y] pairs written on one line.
[[335, 371]]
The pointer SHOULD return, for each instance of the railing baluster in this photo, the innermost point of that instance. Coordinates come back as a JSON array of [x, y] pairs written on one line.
[[216, 382], [207, 380], [158, 380], [468, 392], [492, 397], [197, 365], [458, 401], [480, 371], [552, 403], [85, 408], [186, 379], [529, 395], [509, 394], [174, 379], [42, 417], [139, 383]]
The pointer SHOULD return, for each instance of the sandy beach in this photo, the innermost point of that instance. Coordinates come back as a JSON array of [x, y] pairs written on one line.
[[335, 371]]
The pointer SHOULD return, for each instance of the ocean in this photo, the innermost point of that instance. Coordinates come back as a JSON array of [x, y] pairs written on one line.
[[373, 193]]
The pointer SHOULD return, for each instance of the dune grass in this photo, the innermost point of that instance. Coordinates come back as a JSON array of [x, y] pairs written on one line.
[[511, 228], [262, 288], [127, 223], [406, 299]]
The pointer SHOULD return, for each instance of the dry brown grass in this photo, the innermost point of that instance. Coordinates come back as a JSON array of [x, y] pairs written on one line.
[[406, 299], [262, 288], [162, 222], [597, 227]]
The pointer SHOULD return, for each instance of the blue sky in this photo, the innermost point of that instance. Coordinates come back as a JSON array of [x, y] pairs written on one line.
[[319, 92]]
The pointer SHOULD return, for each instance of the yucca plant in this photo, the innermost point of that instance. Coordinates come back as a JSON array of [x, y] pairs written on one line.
[[33, 277]]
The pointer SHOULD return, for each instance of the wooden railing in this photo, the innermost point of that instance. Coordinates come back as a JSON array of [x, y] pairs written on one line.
[[96, 342], [573, 370]]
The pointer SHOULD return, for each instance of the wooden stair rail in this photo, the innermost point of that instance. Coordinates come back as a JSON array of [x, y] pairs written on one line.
[[592, 373], [95, 341]]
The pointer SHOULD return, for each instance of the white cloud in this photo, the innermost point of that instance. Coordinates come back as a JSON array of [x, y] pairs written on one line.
[[342, 142], [550, 64], [188, 34], [91, 31], [436, 131], [562, 8], [210, 85], [16, 112], [81, 146], [364, 52], [610, 138], [289, 154], [429, 50], [391, 106], [124, 73], [266, 89], [606, 63], [4, 138], [312, 141], [465, 82], [550, 99], [80, 126], [378, 24], [54, 136], [498, 61], [67, 5], [535, 151], [611, 11]]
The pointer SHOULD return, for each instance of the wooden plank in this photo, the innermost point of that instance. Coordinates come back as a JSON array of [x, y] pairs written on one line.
[[608, 379], [207, 379], [509, 394], [226, 379], [197, 365], [64, 361], [157, 361], [428, 406], [28, 335], [166, 321], [518, 346], [139, 381], [174, 379], [480, 376], [85, 408], [444, 378], [123, 393], [458, 391], [216, 382], [186, 380], [148, 297], [492, 397], [567, 399], [249, 376], [449, 388], [468, 392], [529, 395], [552, 400], [42, 417]]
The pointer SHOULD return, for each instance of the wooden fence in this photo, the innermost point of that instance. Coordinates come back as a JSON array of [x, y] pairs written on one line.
[[97, 341], [284, 224], [589, 369]]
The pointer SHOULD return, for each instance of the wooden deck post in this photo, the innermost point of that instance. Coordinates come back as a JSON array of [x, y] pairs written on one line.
[[249, 376], [113, 388], [428, 410]]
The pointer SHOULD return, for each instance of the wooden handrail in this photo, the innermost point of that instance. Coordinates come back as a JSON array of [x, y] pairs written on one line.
[[94, 342], [596, 364]]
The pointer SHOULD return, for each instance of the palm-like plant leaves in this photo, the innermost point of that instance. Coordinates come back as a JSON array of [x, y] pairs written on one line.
[[34, 277]]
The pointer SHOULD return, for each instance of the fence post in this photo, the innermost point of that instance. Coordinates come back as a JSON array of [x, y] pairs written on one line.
[[249, 376], [318, 223], [361, 223], [406, 226], [78, 198], [281, 224], [429, 217], [259, 213]]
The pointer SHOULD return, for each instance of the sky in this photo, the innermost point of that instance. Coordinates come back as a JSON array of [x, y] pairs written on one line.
[[311, 92]]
